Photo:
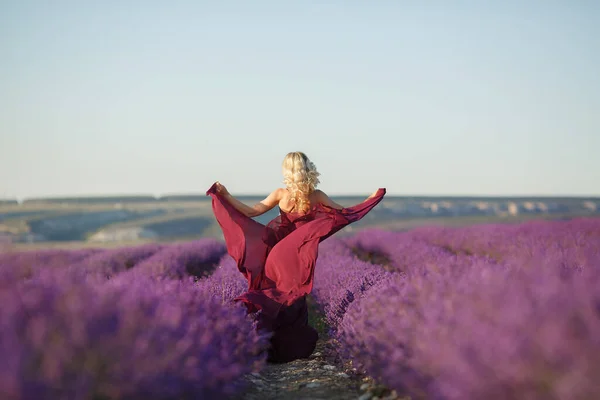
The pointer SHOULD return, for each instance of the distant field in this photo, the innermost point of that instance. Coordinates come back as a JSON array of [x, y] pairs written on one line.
[[113, 221]]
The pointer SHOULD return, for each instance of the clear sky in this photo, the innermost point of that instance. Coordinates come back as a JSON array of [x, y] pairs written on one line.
[[420, 97]]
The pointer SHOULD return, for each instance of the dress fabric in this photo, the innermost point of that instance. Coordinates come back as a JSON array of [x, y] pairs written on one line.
[[278, 261]]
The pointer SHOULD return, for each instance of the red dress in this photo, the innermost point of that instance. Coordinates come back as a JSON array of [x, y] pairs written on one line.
[[278, 260]]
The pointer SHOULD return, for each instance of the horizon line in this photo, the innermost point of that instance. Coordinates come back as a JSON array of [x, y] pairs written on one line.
[[203, 194]]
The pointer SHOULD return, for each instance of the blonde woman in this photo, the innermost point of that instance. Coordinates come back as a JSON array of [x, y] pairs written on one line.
[[278, 259]]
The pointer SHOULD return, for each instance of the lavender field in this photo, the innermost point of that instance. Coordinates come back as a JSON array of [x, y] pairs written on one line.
[[480, 312]]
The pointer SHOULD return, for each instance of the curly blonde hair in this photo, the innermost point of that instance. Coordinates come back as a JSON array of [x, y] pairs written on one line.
[[301, 179]]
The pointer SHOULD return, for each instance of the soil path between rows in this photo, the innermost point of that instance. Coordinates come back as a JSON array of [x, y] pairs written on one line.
[[322, 376]]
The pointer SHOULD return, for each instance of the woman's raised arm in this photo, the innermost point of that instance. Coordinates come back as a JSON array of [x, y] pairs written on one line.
[[257, 209], [326, 200]]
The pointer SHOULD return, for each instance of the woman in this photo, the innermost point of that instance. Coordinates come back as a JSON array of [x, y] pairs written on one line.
[[278, 259]]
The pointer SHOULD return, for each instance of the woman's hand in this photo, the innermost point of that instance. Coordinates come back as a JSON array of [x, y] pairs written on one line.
[[222, 190], [373, 195]]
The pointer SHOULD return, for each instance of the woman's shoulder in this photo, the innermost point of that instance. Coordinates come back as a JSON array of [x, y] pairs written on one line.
[[281, 192], [320, 196]]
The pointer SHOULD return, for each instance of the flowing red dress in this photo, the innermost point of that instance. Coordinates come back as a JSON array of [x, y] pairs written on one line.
[[278, 260]]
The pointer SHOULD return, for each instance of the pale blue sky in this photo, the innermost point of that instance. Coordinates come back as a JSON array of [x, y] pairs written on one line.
[[432, 98]]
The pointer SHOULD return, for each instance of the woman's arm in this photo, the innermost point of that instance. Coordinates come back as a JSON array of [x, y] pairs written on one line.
[[326, 200], [258, 209]]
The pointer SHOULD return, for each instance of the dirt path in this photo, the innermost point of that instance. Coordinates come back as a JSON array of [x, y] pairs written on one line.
[[322, 376], [313, 378]]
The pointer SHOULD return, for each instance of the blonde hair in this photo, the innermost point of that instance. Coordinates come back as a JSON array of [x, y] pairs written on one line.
[[300, 177]]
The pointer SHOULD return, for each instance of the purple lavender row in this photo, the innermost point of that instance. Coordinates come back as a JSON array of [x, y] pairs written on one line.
[[340, 278], [459, 326], [405, 252], [16, 266], [570, 244], [493, 333], [178, 261], [175, 261], [71, 333], [111, 262], [226, 282]]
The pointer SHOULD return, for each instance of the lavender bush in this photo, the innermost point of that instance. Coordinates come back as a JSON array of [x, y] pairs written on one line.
[[72, 333], [405, 251], [111, 262], [572, 244], [226, 282], [340, 278], [490, 333], [15, 266], [140, 338], [463, 324], [196, 258]]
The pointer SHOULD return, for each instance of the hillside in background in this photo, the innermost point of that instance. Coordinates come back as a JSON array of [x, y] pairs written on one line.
[[144, 218]]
